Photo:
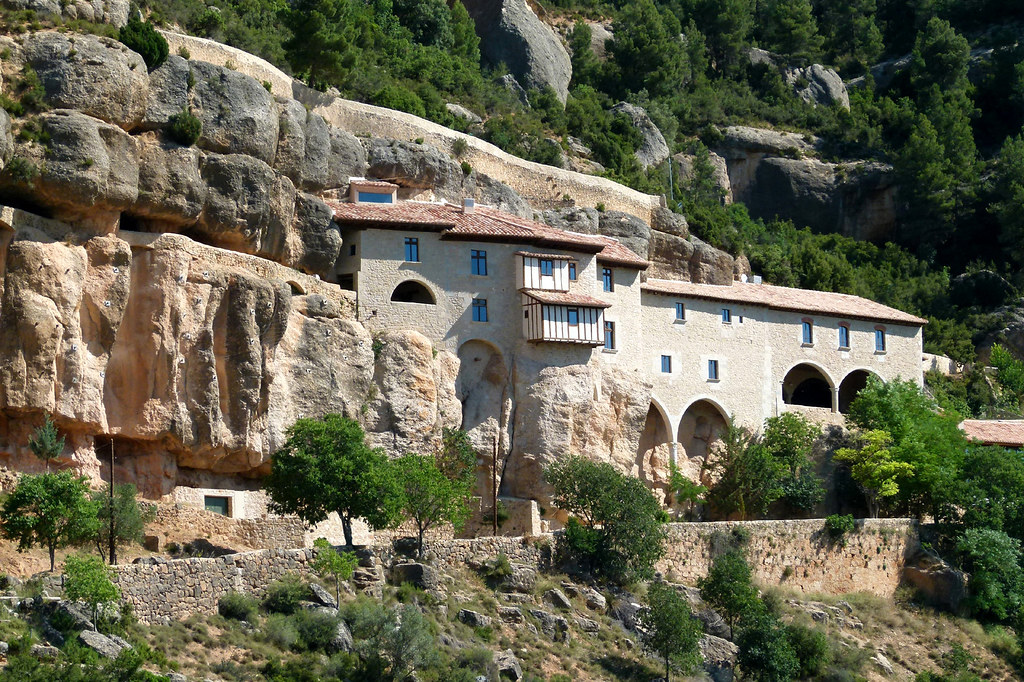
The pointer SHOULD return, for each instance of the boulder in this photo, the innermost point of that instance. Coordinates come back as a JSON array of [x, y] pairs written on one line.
[[459, 111], [76, 614], [588, 625], [575, 219], [940, 583], [555, 627], [745, 139], [101, 644], [114, 12], [507, 665], [512, 85], [600, 34], [44, 651], [653, 148], [634, 233], [883, 663], [625, 610], [303, 146], [686, 164], [474, 619], [983, 288], [342, 640], [169, 92], [490, 192], [316, 238], [97, 76], [557, 598], [595, 600], [346, 160], [818, 85], [713, 623], [709, 265], [670, 222], [323, 597], [172, 192], [422, 576], [511, 34], [719, 656], [522, 579], [511, 614], [238, 114], [409, 164]]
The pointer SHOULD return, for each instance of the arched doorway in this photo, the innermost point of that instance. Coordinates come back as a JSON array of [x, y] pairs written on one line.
[[654, 451], [853, 384], [703, 425], [412, 291], [480, 387], [807, 385]]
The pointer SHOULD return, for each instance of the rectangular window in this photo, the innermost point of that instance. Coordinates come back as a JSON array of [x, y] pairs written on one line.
[[479, 309], [352, 250], [726, 316], [609, 335], [412, 250], [879, 340], [712, 370], [478, 261], [808, 332], [572, 271], [608, 279], [666, 364], [844, 336], [217, 504], [680, 311], [547, 267], [375, 198], [574, 317]]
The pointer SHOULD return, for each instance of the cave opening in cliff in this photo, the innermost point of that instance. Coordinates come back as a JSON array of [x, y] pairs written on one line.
[[808, 386], [703, 426], [412, 291], [853, 384]]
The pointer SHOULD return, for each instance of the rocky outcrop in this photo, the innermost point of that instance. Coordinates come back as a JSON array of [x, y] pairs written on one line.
[[653, 148], [815, 84], [413, 165], [685, 166], [628, 229], [113, 12], [938, 582], [511, 34]]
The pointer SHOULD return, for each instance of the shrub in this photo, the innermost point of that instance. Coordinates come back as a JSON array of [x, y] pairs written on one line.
[[284, 595], [22, 170], [811, 648], [280, 631], [466, 168], [316, 629], [184, 53], [839, 525], [186, 128], [459, 147], [237, 606], [497, 568], [143, 38]]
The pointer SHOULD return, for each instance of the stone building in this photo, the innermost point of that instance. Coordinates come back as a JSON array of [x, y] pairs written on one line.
[[490, 287]]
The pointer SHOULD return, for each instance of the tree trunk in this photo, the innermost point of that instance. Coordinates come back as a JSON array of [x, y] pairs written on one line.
[[666, 668], [346, 527], [419, 554], [53, 551], [337, 589]]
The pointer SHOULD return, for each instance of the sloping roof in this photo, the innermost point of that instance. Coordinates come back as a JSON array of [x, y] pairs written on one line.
[[548, 256], [481, 224], [1005, 432], [362, 183], [786, 298], [564, 298]]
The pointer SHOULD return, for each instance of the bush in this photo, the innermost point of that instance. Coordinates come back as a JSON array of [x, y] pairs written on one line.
[[280, 631], [284, 595], [22, 170], [811, 648], [237, 606], [466, 168], [143, 38], [839, 525], [316, 629], [497, 568], [186, 128]]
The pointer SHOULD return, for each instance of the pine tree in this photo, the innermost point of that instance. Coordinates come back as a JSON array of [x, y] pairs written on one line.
[[45, 444], [790, 29]]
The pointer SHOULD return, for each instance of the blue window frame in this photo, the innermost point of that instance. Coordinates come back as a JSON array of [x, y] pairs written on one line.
[[609, 335], [572, 271], [478, 261], [879, 340], [412, 250], [666, 364], [680, 311], [608, 279], [573, 315], [726, 316], [712, 370], [844, 336], [375, 198], [808, 332], [479, 309], [547, 267]]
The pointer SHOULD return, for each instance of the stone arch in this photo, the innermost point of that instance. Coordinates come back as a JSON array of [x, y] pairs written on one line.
[[654, 451], [809, 385], [297, 289], [412, 291], [703, 424], [480, 387], [851, 385]]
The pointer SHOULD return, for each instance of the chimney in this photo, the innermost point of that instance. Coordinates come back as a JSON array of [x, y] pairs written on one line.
[[468, 204], [757, 279]]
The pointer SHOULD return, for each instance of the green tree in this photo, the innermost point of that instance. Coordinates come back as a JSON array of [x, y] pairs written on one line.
[[926, 187], [765, 652], [685, 491], [330, 563], [429, 21], [647, 50], [130, 517], [615, 522], [1009, 194], [748, 477], [996, 584], [852, 33], [328, 38], [874, 469], [669, 628], [789, 28], [49, 510], [142, 37], [940, 57], [465, 42], [726, 25], [586, 70], [456, 456], [728, 586], [88, 580], [392, 643], [45, 443], [789, 438], [429, 497], [325, 466]]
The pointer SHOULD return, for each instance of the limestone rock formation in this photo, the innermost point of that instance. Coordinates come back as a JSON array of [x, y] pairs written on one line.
[[685, 168], [628, 229], [511, 34], [413, 165], [113, 12], [347, 158], [172, 192], [575, 219], [818, 85], [653, 149]]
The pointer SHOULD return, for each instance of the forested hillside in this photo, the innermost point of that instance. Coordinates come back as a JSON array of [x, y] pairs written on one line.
[[948, 120]]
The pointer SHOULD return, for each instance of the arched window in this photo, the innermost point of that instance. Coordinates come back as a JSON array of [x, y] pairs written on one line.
[[412, 291], [806, 385]]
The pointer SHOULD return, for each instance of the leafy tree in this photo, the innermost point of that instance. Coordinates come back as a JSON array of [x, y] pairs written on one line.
[[669, 628], [586, 70], [685, 491], [391, 643], [465, 42], [330, 563], [615, 522], [456, 456], [811, 648], [142, 37], [789, 438], [327, 37], [88, 580], [130, 517], [789, 28], [726, 24], [765, 652], [325, 466], [940, 57], [748, 477], [874, 469], [996, 585], [647, 50], [852, 33], [1009, 182], [429, 497], [927, 188], [45, 444], [49, 510], [728, 586], [1011, 370], [429, 21]]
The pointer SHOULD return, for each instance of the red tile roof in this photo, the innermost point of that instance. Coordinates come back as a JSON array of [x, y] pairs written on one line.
[[1005, 432], [549, 256], [374, 184], [564, 298], [616, 253], [405, 213], [786, 298]]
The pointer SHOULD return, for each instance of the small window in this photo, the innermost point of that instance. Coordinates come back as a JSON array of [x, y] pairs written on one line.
[[412, 250], [547, 267], [726, 316], [879, 340], [375, 198], [352, 250], [478, 262], [479, 309], [844, 336], [808, 332], [572, 271], [217, 504], [712, 370], [609, 335], [666, 364], [574, 317], [608, 279], [680, 311]]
